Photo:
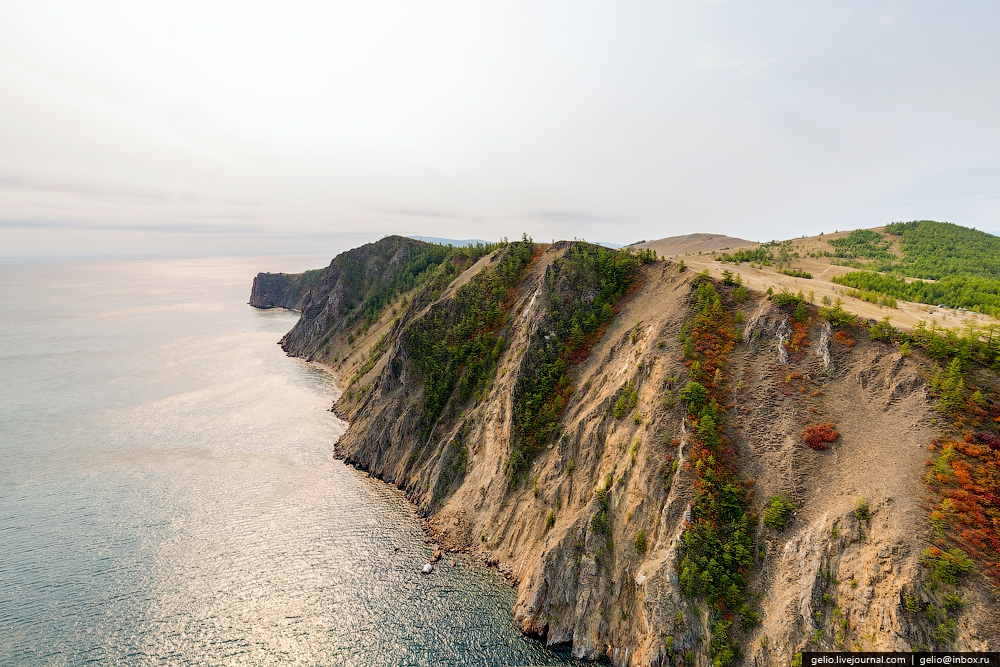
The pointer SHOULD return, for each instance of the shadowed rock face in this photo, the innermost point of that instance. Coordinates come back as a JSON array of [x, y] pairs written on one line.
[[829, 580], [280, 290]]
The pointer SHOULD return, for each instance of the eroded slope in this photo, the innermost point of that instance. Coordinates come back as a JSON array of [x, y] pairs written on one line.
[[535, 410]]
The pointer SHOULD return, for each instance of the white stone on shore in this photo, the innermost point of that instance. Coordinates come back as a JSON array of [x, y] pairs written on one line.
[[427, 569]]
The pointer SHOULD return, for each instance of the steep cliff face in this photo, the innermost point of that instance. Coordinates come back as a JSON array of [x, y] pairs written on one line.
[[281, 290], [538, 410]]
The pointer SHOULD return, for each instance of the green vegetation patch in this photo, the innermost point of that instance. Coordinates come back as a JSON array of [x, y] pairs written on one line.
[[454, 461], [760, 255], [628, 397], [837, 316], [778, 511], [935, 250], [796, 273], [862, 244], [641, 544], [947, 566]]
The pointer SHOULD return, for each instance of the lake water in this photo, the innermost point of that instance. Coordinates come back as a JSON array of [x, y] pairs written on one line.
[[168, 494]]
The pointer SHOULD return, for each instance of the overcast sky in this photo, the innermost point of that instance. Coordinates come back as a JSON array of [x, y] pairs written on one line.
[[135, 128]]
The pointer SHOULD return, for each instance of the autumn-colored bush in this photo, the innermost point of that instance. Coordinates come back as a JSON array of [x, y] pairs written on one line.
[[799, 340], [818, 436], [991, 440], [842, 338]]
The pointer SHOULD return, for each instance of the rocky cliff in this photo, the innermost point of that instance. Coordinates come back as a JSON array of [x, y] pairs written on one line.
[[674, 470], [281, 290]]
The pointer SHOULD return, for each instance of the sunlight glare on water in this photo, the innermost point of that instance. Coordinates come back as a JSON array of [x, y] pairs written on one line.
[[168, 494]]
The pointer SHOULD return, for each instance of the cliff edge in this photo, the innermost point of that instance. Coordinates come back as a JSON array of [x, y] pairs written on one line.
[[281, 290]]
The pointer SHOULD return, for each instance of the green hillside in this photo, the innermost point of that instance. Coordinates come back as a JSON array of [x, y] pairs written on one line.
[[963, 262]]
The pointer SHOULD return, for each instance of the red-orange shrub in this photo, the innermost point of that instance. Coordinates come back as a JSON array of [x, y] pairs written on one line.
[[818, 435], [842, 338]]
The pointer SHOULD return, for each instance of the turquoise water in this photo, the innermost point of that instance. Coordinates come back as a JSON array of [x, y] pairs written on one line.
[[168, 495]]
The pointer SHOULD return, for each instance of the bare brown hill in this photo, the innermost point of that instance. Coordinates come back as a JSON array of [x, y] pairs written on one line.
[[675, 246]]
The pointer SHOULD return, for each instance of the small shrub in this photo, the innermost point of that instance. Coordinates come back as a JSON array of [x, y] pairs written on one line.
[[640, 542], [953, 602], [787, 300], [989, 439], [863, 511], [749, 619], [904, 349], [800, 315], [818, 436], [636, 330], [837, 316], [945, 632], [550, 520], [843, 339], [946, 566], [599, 522], [883, 331], [912, 603], [777, 513], [694, 394], [627, 400]]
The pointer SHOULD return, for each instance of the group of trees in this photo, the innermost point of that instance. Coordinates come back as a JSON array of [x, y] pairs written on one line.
[[964, 263], [581, 290], [862, 244], [978, 294], [760, 255], [717, 551], [934, 250], [779, 253], [971, 344], [457, 344]]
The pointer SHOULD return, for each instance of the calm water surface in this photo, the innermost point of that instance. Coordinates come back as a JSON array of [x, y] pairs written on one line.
[[168, 496]]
